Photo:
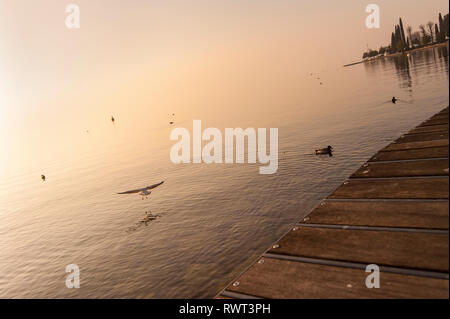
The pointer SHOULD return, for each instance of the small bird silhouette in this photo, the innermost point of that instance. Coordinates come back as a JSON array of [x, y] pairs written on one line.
[[43, 178], [113, 119], [394, 99]]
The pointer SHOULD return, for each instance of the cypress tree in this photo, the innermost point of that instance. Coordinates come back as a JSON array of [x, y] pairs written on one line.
[[392, 41], [436, 32], [446, 25], [398, 38], [441, 28], [402, 31]]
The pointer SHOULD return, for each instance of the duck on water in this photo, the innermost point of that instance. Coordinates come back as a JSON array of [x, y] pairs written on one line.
[[325, 151]]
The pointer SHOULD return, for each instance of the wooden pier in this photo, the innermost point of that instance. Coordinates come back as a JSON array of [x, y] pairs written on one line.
[[392, 212]]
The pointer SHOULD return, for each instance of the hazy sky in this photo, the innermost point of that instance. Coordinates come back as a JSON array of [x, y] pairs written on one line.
[[138, 53]]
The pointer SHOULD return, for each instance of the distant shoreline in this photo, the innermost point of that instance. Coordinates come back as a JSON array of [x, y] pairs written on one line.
[[435, 45]]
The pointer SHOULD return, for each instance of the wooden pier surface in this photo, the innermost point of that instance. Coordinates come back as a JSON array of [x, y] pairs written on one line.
[[392, 212]]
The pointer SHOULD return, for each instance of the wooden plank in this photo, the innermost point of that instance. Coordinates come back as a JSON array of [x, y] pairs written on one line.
[[289, 279], [222, 297], [439, 116], [422, 137], [444, 112], [398, 169], [401, 188], [431, 152], [428, 215], [415, 145], [428, 129], [425, 251], [435, 122]]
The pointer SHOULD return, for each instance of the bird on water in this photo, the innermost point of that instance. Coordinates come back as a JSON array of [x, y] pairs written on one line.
[[327, 150]]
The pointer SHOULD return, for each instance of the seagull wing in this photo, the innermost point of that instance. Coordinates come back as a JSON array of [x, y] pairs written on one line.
[[133, 191], [154, 185]]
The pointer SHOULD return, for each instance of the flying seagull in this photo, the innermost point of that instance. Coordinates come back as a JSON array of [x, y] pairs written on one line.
[[144, 192]]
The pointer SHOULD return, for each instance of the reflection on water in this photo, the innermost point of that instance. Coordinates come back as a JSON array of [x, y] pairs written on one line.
[[148, 218], [438, 57], [401, 64], [208, 222]]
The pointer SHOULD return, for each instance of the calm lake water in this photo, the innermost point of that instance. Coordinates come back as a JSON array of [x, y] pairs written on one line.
[[212, 221]]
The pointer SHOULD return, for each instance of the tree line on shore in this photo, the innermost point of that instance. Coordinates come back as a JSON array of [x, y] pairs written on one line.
[[428, 34]]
